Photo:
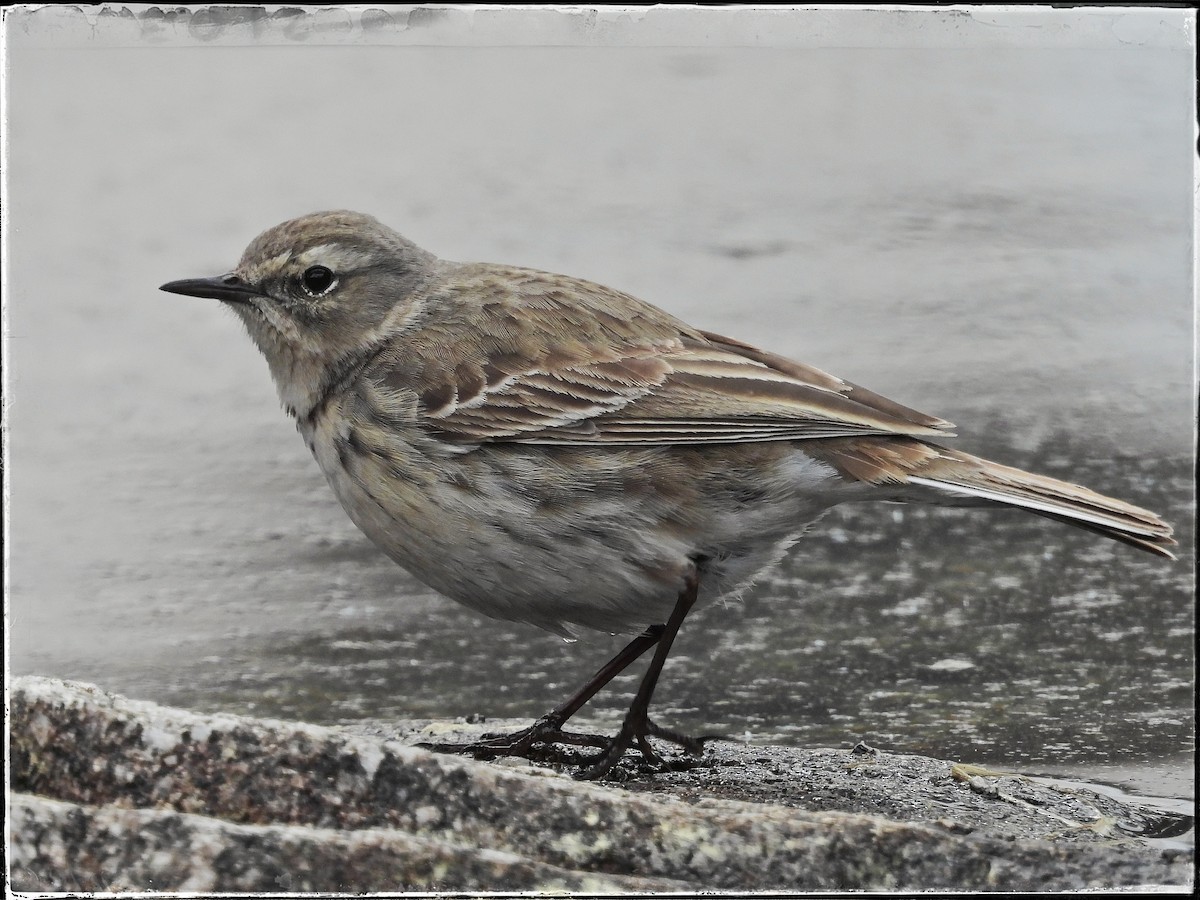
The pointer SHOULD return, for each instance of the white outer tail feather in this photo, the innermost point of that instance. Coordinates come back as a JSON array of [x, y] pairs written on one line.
[[1129, 525], [1030, 503]]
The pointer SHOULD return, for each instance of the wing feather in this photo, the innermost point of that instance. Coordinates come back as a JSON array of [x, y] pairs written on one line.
[[549, 360]]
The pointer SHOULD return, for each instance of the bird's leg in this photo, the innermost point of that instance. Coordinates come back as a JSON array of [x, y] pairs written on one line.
[[548, 729], [637, 727]]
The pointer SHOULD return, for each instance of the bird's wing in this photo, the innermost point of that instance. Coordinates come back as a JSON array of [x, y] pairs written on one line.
[[604, 368]]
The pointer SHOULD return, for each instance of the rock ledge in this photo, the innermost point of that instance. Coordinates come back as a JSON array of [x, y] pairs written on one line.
[[112, 794]]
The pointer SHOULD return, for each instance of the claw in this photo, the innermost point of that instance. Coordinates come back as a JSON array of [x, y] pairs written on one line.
[[648, 752]]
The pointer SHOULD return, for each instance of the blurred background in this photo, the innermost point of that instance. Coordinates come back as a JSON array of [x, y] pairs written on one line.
[[982, 222]]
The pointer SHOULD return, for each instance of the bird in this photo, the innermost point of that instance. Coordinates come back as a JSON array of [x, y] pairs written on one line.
[[548, 450]]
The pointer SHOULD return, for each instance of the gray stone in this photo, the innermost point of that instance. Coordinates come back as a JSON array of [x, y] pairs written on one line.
[[61, 846], [116, 794]]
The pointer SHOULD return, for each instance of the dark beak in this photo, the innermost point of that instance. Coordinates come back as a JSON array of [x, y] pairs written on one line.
[[223, 287]]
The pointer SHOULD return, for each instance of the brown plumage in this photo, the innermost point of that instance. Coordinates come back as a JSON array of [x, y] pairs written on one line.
[[549, 450], [633, 376]]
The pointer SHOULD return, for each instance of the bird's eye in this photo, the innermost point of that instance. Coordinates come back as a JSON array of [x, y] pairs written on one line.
[[318, 280]]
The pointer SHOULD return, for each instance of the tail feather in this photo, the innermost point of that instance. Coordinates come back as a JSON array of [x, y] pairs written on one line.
[[970, 478], [1157, 545]]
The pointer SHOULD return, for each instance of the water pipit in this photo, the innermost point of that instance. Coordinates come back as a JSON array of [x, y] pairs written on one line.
[[549, 450]]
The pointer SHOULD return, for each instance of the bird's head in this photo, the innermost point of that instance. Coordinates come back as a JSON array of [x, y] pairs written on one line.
[[316, 290]]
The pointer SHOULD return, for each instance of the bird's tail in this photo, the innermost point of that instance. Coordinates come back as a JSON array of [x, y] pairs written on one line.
[[955, 478]]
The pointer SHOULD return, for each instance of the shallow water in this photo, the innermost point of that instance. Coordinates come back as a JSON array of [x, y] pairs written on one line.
[[1001, 237]]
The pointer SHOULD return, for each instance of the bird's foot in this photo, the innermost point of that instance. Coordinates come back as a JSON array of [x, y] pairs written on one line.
[[540, 739], [537, 741], [637, 732]]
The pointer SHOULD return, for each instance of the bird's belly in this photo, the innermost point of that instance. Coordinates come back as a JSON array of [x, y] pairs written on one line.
[[602, 538]]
